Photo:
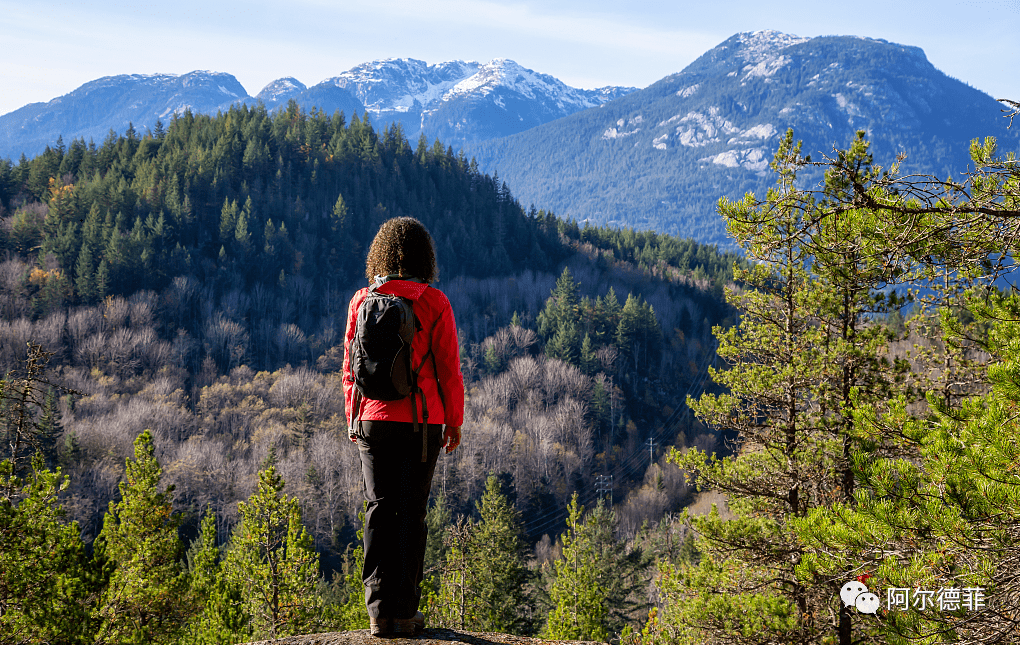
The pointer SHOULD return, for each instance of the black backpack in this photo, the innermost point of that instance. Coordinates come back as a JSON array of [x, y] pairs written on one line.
[[380, 355]]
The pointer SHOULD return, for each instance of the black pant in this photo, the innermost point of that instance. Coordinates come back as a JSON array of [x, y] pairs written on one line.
[[397, 485]]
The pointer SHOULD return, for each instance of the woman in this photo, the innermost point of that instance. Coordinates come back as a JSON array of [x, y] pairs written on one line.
[[397, 467]]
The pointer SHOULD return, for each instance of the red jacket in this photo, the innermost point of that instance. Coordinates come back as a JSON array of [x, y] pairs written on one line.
[[430, 305]]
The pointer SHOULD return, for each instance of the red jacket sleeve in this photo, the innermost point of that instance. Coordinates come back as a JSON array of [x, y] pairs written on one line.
[[448, 374], [348, 380]]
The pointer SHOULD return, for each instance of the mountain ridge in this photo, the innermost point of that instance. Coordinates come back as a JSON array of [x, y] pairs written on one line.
[[661, 157], [656, 158], [406, 91]]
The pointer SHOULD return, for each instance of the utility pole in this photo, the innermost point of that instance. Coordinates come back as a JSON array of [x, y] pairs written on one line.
[[604, 487], [651, 448], [612, 413]]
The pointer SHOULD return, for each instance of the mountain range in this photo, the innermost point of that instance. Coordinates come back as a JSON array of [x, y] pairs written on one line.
[[655, 158], [457, 102], [661, 157]]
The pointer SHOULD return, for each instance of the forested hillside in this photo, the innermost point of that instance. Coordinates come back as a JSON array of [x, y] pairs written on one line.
[[661, 157], [193, 283]]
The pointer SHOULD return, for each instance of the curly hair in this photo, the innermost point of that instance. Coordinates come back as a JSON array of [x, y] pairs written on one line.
[[404, 247]]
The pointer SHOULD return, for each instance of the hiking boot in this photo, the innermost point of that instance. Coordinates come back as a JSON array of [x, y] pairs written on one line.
[[410, 626], [386, 627], [380, 626]]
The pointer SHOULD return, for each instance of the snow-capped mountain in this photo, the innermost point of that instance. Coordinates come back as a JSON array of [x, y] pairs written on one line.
[[281, 90], [454, 101], [112, 102], [661, 157], [461, 101], [399, 86], [657, 158]]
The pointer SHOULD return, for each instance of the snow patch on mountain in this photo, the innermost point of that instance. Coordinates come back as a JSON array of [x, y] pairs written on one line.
[[620, 130], [281, 89], [753, 159], [846, 105], [767, 67], [505, 73], [615, 133], [698, 129], [396, 84], [763, 46], [761, 132], [406, 85], [688, 92]]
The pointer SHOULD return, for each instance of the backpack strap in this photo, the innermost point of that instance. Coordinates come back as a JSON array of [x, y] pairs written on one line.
[[355, 430], [415, 390]]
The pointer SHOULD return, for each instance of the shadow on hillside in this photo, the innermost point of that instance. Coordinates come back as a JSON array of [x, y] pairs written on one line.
[[440, 634]]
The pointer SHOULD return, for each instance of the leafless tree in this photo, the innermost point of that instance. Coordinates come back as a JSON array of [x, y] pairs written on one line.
[[14, 301]]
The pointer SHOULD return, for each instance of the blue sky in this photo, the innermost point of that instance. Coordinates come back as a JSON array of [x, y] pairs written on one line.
[[50, 47]]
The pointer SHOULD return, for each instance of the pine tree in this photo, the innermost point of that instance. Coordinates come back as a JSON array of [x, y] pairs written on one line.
[[242, 236], [800, 360], [217, 613], [228, 221], [341, 218], [203, 560], [85, 277], [146, 596], [29, 420], [947, 518], [454, 605], [588, 361], [565, 343], [562, 306], [595, 577], [499, 548], [631, 331], [938, 512], [102, 279], [272, 560], [42, 561], [482, 586], [437, 520]]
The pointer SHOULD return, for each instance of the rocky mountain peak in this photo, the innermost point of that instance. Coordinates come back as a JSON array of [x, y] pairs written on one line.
[[759, 46], [281, 89], [394, 84]]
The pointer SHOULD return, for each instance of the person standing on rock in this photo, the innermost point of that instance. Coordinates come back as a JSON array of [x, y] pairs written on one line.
[[417, 410]]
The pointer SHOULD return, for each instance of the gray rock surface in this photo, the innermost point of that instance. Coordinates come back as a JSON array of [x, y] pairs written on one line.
[[429, 637]]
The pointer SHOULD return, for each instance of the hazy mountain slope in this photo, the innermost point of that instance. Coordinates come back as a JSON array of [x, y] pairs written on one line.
[[112, 102], [661, 157]]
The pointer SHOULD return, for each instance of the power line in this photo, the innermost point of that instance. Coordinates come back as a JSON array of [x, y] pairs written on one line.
[[604, 487], [634, 462], [549, 519], [651, 450]]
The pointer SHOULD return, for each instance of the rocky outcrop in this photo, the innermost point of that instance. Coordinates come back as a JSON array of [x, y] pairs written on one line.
[[429, 637]]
